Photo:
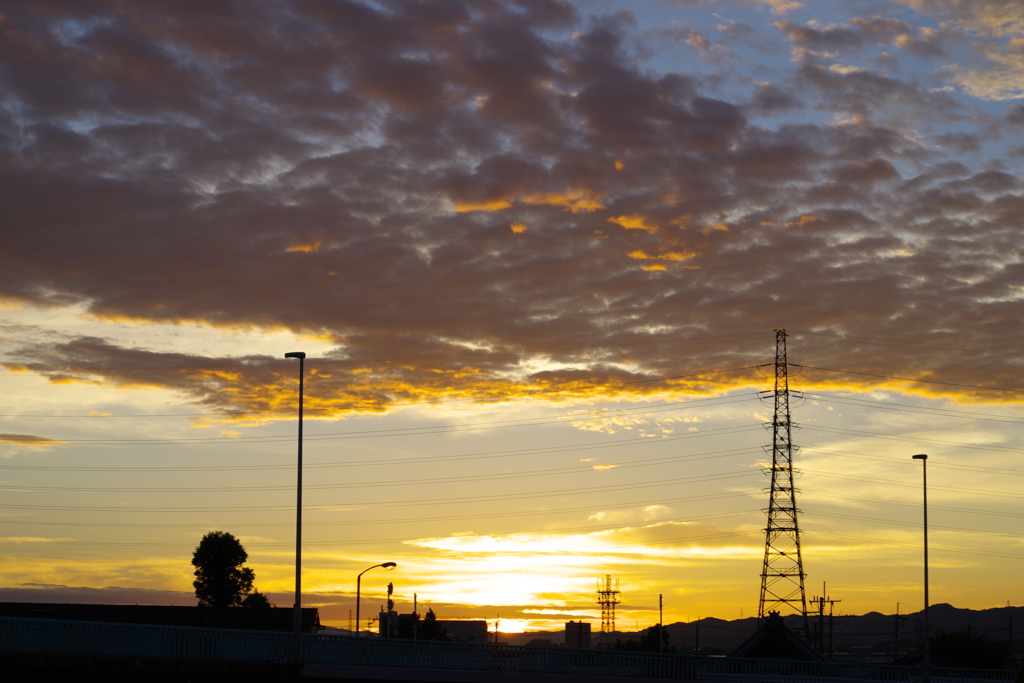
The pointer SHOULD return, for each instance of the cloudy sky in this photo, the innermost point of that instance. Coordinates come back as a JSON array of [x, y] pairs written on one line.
[[536, 252]]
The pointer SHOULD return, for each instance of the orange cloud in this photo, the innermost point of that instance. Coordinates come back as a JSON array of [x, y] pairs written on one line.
[[642, 255], [634, 222], [28, 440], [518, 227], [305, 248], [707, 230], [806, 220], [576, 201], [486, 205]]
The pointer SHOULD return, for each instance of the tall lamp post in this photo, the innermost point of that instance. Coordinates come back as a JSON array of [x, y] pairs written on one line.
[[387, 565], [926, 676], [298, 521]]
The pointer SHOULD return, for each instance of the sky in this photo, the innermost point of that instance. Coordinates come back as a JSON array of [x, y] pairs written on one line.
[[536, 253]]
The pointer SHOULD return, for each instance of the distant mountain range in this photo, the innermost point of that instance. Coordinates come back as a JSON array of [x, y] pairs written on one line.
[[868, 633]]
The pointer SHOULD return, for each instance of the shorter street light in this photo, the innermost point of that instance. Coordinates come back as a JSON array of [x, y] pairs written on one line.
[[386, 565]]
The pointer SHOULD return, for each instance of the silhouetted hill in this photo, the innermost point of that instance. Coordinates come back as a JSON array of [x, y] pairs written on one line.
[[866, 633]]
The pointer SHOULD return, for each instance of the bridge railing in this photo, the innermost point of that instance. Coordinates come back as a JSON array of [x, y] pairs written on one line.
[[142, 640]]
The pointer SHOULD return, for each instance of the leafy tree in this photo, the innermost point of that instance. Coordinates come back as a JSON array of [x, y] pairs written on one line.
[[648, 642], [221, 580], [429, 629], [256, 600], [970, 650], [257, 611]]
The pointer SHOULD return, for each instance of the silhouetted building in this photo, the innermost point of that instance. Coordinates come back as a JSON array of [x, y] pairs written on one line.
[[465, 631], [577, 635], [394, 625]]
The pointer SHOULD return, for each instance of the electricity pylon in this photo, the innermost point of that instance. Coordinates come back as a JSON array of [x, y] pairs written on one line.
[[782, 577], [608, 597]]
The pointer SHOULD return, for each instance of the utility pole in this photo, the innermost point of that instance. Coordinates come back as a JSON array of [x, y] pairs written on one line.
[[820, 631], [819, 627], [831, 624], [782, 575], [896, 632], [661, 624]]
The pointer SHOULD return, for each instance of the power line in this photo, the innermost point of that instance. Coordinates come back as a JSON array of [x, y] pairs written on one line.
[[947, 548], [682, 404], [405, 520], [590, 529], [418, 481], [914, 439], [917, 506], [408, 503], [260, 544], [936, 487], [403, 431], [909, 408], [914, 525], [379, 462], [911, 379], [938, 346], [941, 465]]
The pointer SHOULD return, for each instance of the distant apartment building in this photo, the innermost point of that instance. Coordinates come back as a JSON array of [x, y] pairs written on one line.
[[577, 635]]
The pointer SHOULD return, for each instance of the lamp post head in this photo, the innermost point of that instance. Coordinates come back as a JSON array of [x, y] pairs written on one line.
[[920, 456], [389, 565], [295, 354]]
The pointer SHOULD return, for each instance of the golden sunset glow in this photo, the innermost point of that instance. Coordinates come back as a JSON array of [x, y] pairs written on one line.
[[536, 257]]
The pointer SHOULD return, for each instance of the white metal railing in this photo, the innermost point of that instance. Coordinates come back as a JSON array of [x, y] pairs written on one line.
[[142, 640]]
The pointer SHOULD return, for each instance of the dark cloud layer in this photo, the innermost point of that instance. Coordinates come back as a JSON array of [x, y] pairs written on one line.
[[485, 183]]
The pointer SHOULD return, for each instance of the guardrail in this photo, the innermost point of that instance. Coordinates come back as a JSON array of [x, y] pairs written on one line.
[[140, 640]]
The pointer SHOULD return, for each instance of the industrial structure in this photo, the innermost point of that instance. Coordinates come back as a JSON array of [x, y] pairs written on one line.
[[608, 597], [782, 575]]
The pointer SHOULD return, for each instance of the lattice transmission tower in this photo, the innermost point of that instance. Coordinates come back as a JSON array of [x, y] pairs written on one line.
[[608, 597], [782, 577]]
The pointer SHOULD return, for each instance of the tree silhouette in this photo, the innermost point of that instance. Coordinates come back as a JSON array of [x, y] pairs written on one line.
[[429, 629], [970, 650], [221, 580], [648, 642]]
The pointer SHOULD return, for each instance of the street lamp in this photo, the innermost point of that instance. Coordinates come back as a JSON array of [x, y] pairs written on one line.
[[298, 521], [387, 565], [926, 677]]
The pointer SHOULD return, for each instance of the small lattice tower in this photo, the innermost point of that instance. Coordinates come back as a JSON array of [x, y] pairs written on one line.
[[608, 594], [782, 578]]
